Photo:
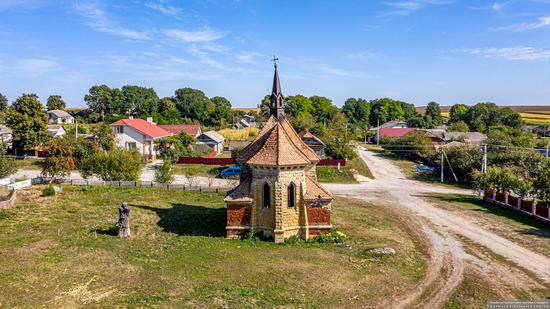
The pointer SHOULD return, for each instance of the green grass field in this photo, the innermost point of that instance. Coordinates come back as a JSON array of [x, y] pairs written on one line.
[[345, 174], [197, 169], [62, 251]]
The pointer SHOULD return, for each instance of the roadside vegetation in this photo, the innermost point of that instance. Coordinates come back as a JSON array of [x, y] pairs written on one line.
[[355, 166], [178, 255]]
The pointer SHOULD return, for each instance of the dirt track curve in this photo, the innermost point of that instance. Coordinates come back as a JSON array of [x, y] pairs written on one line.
[[445, 232]]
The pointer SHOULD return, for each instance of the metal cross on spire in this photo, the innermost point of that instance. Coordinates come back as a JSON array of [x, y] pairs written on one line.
[[275, 60]]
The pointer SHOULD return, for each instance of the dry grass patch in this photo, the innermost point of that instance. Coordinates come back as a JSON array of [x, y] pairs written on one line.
[[62, 252]]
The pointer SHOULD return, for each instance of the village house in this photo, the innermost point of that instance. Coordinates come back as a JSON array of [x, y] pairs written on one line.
[[278, 194], [313, 142], [58, 116], [191, 129], [246, 121], [56, 130], [6, 135], [138, 134], [213, 139]]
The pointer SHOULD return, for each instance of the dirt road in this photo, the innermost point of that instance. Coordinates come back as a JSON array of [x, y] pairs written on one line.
[[448, 234]]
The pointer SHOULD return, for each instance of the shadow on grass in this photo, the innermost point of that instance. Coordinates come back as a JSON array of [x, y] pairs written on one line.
[[111, 231], [190, 220], [538, 229]]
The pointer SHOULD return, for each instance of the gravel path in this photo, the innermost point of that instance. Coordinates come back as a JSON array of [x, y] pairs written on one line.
[[448, 258]]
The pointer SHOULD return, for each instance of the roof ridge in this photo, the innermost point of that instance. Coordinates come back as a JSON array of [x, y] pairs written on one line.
[[300, 152], [299, 139], [318, 185]]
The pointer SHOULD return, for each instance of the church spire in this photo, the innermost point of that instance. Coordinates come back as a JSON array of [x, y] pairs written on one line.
[[277, 100]]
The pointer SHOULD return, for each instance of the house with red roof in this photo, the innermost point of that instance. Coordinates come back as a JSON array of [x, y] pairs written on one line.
[[138, 134], [394, 132], [191, 129]]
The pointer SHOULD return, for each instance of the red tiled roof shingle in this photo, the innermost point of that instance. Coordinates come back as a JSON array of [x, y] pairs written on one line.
[[143, 126], [191, 129]]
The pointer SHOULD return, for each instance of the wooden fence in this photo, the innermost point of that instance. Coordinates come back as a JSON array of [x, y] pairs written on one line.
[[230, 161], [526, 207]]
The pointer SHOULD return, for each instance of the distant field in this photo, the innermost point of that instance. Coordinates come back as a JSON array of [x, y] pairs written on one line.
[[532, 115], [247, 109]]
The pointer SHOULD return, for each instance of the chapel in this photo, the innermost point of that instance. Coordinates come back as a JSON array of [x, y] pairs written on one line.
[[278, 193]]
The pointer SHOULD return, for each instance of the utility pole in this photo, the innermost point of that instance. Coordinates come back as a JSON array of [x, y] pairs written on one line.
[[378, 132], [75, 129], [442, 166], [547, 144], [484, 164]]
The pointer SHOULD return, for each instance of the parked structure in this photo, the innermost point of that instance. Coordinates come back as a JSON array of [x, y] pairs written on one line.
[[58, 116], [212, 139], [278, 193], [191, 129], [138, 134], [56, 130], [313, 142]]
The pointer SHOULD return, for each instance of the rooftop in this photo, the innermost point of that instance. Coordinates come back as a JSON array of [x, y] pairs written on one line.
[[144, 127]]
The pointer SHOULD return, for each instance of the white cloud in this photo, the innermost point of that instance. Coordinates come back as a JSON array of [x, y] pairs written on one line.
[[343, 73], [510, 53], [35, 67], [164, 9], [207, 35], [97, 19], [361, 56], [540, 23], [248, 57], [408, 7]]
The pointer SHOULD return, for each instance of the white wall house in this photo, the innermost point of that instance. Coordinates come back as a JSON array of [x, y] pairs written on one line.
[[56, 130], [138, 134], [58, 116], [212, 139]]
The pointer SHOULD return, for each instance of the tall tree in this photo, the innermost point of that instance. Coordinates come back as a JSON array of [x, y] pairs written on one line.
[[433, 115], [338, 138], [298, 106], [458, 112], [27, 119], [357, 111], [384, 110], [3, 103], [139, 100], [105, 100], [59, 158], [7, 164], [55, 102], [104, 137], [323, 108], [223, 114], [194, 104]]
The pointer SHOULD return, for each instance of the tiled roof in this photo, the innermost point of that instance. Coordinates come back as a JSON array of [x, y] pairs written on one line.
[[191, 129], [315, 191], [215, 136], [277, 144], [143, 126], [241, 194], [395, 132], [306, 134]]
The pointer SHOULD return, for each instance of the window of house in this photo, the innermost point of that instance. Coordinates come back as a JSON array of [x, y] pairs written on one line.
[[291, 195], [267, 196], [120, 129], [132, 145]]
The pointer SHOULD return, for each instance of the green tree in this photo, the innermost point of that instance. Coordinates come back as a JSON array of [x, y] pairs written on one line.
[[457, 113], [59, 159], [55, 102], [417, 122], [165, 172], [7, 164], [105, 100], [542, 183], [3, 103], [223, 114], [459, 126], [384, 110], [298, 105], [323, 108], [357, 111], [140, 101], [338, 139], [104, 137], [433, 115], [118, 164], [27, 119], [194, 104]]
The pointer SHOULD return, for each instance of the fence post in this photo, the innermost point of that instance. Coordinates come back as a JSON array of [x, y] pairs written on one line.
[[87, 182], [519, 202], [168, 186], [200, 189], [135, 183], [494, 194], [71, 182], [534, 210], [506, 198]]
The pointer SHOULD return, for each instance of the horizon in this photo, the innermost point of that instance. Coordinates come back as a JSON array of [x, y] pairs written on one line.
[[415, 51]]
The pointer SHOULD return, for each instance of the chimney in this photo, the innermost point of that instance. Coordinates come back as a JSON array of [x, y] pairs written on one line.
[[131, 117], [150, 119]]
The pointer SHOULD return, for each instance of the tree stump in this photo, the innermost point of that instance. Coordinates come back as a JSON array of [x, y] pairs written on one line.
[[123, 223]]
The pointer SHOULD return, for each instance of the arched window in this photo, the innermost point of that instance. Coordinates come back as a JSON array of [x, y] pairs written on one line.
[[267, 196], [291, 195]]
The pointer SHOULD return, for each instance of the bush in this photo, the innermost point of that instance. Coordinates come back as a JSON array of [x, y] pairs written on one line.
[[334, 237], [239, 135], [48, 191], [118, 164], [164, 173], [7, 164]]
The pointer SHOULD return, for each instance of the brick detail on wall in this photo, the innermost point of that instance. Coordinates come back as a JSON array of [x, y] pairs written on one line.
[[238, 215], [318, 215]]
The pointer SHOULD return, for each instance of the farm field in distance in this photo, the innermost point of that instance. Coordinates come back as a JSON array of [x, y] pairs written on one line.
[[532, 115]]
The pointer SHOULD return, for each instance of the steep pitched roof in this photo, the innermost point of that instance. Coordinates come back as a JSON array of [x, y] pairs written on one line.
[[277, 144], [143, 126], [191, 129], [59, 113], [306, 134], [315, 191], [395, 132], [241, 194]]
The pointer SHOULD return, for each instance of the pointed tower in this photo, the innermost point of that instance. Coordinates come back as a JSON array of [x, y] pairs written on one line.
[[278, 194]]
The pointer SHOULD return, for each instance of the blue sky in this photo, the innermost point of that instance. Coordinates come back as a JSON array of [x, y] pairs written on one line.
[[450, 51]]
